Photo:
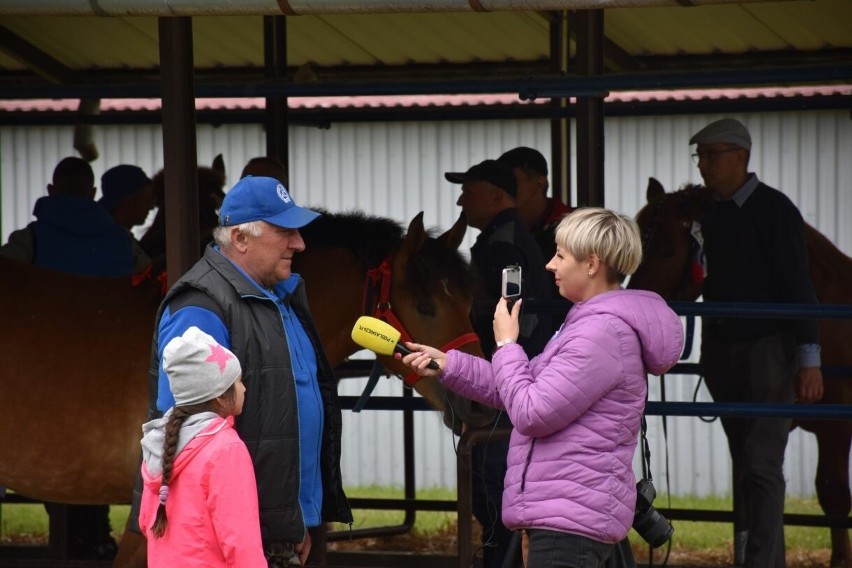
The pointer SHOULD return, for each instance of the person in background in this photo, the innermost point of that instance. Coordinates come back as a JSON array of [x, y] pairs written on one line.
[[488, 193], [195, 466], [74, 234], [128, 196], [755, 249], [243, 293], [539, 213], [71, 232], [577, 407]]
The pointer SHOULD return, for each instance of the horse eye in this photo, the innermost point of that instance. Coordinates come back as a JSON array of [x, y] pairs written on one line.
[[427, 308]]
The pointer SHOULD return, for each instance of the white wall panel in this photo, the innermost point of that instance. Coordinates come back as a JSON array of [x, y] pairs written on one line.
[[396, 170]]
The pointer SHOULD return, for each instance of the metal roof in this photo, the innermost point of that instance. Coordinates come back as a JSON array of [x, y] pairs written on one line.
[[57, 51]]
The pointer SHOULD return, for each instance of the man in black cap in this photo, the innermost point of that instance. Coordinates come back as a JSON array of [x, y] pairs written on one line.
[[488, 192], [539, 212], [755, 249]]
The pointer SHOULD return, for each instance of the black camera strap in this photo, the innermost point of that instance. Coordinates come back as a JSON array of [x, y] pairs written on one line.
[[646, 449]]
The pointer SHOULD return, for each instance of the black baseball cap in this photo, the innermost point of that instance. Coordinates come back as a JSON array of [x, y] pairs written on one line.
[[525, 158], [492, 171]]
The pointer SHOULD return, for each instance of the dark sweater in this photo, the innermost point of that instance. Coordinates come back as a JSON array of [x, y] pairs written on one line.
[[757, 253]]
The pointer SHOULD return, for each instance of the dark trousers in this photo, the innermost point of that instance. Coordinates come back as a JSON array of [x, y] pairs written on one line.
[[488, 462], [761, 370], [620, 557], [89, 531], [552, 549]]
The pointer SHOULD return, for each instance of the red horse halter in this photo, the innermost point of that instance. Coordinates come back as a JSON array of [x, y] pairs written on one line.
[[380, 278]]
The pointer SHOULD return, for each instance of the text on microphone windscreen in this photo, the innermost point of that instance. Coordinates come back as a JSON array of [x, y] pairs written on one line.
[[376, 335]]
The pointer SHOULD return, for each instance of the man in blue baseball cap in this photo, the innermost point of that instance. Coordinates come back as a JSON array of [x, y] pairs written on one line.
[[244, 294]]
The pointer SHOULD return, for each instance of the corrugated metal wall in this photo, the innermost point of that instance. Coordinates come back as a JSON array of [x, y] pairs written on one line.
[[396, 170]]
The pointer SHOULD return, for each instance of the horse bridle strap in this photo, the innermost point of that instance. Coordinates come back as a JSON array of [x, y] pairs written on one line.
[[380, 278]]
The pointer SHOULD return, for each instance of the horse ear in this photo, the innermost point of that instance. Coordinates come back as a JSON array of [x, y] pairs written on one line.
[[655, 190], [453, 238], [218, 165], [416, 235]]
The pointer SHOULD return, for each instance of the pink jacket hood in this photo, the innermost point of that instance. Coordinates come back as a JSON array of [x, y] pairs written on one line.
[[576, 410]]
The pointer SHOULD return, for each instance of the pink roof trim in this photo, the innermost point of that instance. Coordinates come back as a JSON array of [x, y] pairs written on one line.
[[35, 105]]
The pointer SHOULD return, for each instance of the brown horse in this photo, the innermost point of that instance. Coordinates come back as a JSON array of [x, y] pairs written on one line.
[[669, 268]]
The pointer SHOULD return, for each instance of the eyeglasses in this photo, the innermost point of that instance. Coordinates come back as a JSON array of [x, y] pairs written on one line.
[[711, 155]]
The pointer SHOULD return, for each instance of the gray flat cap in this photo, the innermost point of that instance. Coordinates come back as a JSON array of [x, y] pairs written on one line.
[[727, 130]]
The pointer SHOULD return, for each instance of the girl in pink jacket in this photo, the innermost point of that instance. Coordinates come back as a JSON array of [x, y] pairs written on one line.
[[199, 502], [577, 407]]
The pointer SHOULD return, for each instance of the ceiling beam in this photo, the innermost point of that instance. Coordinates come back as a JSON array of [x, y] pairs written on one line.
[[33, 58], [23, 84], [313, 7], [527, 86]]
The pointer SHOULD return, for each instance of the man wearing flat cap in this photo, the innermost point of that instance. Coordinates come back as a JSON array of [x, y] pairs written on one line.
[[243, 293], [488, 193], [754, 242]]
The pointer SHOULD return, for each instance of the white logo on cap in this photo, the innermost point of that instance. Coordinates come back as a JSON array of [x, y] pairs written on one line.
[[282, 193]]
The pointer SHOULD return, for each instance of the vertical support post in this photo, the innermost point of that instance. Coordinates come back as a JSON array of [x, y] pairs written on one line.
[[464, 485], [560, 128], [590, 131], [180, 163], [275, 63]]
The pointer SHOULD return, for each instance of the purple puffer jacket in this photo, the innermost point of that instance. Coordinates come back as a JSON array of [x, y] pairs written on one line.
[[576, 409]]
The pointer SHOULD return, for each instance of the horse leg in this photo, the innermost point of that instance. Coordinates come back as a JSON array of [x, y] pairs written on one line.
[[132, 550], [832, 482]]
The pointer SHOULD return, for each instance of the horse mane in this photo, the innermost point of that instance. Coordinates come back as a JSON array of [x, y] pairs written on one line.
[[367, 237], [371, 238]]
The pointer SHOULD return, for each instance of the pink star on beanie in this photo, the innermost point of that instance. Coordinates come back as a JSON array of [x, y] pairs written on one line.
[[199, 369], [220, 356]]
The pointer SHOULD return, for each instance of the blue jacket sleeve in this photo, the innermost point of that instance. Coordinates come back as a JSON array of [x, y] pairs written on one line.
[[174, 325]]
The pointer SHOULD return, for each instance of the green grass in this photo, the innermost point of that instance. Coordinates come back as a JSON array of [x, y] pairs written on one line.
[[25, 522], [694, 535]]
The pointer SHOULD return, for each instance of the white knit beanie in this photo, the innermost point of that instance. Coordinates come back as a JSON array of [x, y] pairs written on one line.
[[199, 369]]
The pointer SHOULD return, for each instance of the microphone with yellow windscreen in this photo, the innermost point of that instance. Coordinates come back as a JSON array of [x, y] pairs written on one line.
[[381, 337]]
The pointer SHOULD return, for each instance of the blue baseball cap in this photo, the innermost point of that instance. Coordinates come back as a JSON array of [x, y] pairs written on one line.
[[119, 182], [263, 199]]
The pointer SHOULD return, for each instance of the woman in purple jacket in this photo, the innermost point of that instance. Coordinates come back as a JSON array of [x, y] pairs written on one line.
[[576, 407]]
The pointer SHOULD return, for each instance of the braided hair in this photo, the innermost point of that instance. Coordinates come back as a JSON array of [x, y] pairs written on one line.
[[176, 419]]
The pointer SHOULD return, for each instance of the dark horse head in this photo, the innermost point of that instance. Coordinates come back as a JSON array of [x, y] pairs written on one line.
[[211, 182], [671, 242]]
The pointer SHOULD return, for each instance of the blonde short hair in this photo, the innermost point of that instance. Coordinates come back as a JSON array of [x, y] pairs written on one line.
[[612, 237], [222, 235]]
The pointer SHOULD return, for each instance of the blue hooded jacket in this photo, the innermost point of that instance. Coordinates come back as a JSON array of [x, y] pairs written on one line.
[[76, 235]]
